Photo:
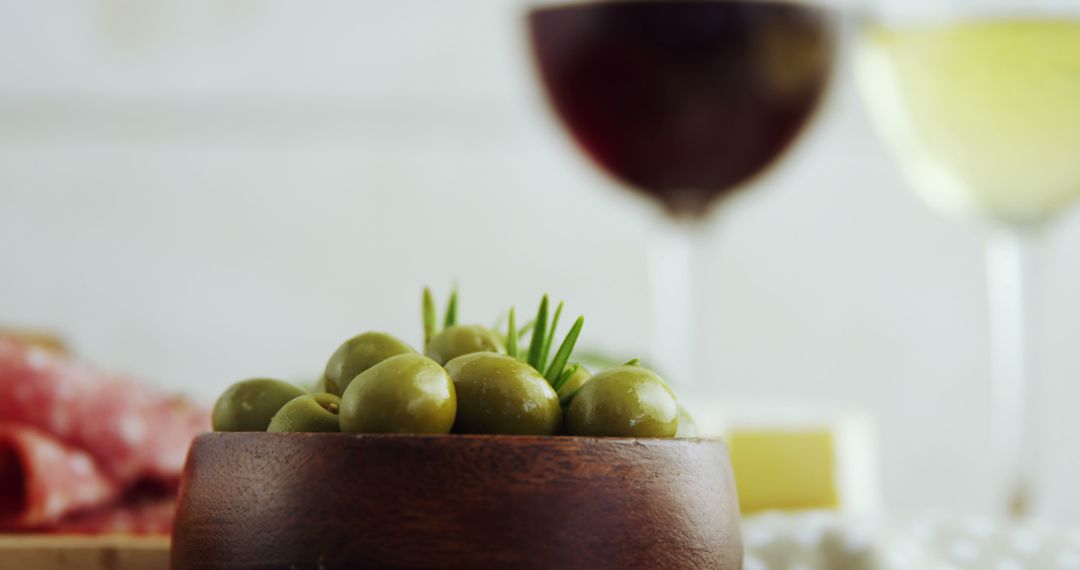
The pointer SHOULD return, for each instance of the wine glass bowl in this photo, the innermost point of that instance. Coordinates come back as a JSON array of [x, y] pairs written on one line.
[[981, 113], [683, 100]]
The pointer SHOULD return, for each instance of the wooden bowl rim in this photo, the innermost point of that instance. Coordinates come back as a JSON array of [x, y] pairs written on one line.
[[442, 438]]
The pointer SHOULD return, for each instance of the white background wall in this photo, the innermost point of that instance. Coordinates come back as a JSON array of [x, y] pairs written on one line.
[[203, 191]]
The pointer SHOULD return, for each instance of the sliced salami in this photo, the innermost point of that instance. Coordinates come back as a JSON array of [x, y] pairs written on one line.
[[41, 479], [132, 432]]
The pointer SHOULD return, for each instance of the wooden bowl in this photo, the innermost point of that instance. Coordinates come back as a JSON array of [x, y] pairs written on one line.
[[328, 501]]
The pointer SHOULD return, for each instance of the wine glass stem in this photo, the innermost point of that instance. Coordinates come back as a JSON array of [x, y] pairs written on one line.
[[672, 271], [1009, 271]]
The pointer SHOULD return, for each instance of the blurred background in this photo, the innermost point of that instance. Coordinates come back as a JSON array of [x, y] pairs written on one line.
[[198, 192]]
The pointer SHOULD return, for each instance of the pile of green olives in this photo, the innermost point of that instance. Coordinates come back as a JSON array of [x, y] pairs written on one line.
[[468, 379]]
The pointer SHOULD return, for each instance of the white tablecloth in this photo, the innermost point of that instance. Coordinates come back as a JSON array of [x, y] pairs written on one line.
[[934, 541]]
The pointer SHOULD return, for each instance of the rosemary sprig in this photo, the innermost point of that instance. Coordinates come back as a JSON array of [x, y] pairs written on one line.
[[450, 318], [541, 332], [523, 330], [567, 373], [564, 399], [546, 349], [431, 320], [512, 337], [536, 344], [562, 356]]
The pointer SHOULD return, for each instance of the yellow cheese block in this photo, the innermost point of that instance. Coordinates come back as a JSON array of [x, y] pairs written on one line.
[[792, 456], [784, 469]]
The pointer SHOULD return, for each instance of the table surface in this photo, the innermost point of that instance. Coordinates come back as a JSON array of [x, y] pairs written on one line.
[[774, 541], [49, 552], [931, 541]]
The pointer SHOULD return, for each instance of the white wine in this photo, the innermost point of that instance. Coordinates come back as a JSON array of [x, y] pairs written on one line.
[[984, 115]]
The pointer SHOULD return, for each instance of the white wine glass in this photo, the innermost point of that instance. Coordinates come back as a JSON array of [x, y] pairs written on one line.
[[979, 100]]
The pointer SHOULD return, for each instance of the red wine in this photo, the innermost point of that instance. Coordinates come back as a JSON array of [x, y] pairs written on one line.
[[684, 100]]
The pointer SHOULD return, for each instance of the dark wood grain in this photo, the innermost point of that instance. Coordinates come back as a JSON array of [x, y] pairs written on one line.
[[329, 501]]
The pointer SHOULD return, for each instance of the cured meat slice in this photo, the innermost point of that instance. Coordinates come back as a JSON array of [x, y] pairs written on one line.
[[132, 432], [41, 480]]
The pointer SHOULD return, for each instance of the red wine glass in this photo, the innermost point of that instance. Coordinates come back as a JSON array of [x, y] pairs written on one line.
[[684, 101]]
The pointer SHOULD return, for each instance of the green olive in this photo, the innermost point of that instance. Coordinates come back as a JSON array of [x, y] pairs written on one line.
[[308, 413], [458, 340], [687, 425], [357, 355], [576, 381], [249, 405], [500, 394], [624, 401], [407, 393]]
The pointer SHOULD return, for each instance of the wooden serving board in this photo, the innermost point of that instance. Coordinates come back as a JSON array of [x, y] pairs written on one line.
[[77, 552]]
